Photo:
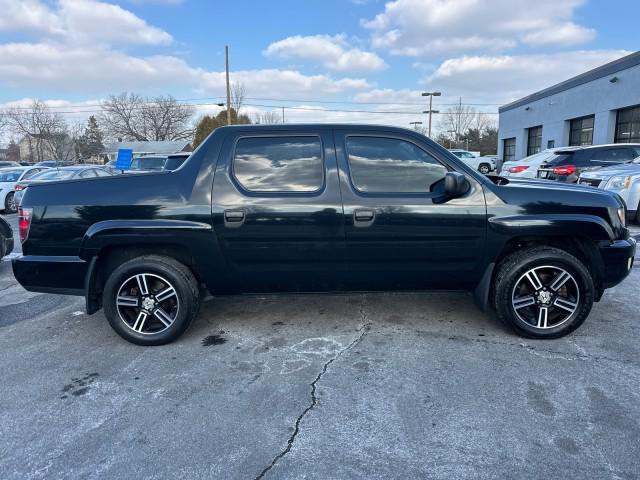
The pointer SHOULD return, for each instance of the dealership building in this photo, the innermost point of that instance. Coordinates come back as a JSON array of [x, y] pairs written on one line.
[[600, 106]]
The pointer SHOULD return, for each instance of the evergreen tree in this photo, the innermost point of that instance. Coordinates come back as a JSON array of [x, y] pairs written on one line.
[[90, 142], [13, 152]]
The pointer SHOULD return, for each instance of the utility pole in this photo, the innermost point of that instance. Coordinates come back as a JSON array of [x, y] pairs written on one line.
[[283, 114], [226, 54], [459, 134], [431, 110]]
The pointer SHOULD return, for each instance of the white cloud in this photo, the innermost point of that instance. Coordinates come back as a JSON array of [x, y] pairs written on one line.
[[432, 27], [76, 21], [505, 78], [100, 70], [332, 52]]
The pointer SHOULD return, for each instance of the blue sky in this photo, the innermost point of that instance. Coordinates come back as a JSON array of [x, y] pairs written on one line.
[[369, 54]]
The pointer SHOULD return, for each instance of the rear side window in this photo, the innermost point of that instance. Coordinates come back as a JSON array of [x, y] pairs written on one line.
[[390, 165], [614, 155], [279, 164]]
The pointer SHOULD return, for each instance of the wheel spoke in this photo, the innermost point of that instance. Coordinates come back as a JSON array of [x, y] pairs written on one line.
[[560, 281], [163, 316], [542, 317], [142, 284], [140, 321], [532, 276], [165, 294], [565, 304], [522, 302], [128, 301]]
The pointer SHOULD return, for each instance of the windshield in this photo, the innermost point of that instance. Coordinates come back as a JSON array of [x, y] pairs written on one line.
[[148, 163], [10, 175], [54, 175], [463, 155], [561, 158]]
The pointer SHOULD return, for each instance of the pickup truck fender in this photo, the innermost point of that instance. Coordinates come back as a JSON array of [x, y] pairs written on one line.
[[505, 228], [197, 238]]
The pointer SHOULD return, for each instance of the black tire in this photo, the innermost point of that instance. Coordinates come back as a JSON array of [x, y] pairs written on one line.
[[637, 219], [511, 279], [484, 168], [9, 204], [160, 273]]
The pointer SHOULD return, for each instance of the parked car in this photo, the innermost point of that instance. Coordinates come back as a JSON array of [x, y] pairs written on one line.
[[148, 163], [317, 208], [9, 177], [53, 164], [484, 165], [62, 173], [6, 238], [8, 163], [621, 179], [527, 167], [569, 163]]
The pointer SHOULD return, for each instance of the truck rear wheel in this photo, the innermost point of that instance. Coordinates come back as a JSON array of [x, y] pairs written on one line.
[[484, 168], [543, 292], [151, 300]]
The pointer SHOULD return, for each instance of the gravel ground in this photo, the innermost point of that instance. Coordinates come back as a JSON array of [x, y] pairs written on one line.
[[318, 386]]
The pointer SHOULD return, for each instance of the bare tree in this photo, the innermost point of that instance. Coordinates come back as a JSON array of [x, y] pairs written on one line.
[[45, 134], [457, 120], [237, 96], [133, 117], [271, 117]]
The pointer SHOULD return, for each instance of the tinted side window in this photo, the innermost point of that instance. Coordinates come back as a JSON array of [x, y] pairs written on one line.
[[279, 164], [389, 165], [613, 155]]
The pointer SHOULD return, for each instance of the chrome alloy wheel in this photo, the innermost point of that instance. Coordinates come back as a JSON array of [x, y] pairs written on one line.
[[147, 303], [545, 297]]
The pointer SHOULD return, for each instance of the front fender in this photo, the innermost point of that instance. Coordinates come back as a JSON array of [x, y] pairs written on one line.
[[574, 225]]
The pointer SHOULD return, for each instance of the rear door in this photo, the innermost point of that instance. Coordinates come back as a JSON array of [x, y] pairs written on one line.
[[400, 233], [277, 211]]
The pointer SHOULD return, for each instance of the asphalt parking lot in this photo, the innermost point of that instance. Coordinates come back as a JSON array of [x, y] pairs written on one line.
[[326, 386]]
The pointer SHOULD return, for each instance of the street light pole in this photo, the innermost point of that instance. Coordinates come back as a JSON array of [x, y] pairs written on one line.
[[431, 110]]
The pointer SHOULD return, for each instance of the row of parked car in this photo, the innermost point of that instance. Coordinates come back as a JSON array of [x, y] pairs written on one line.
[[614, 167], [15, 179]]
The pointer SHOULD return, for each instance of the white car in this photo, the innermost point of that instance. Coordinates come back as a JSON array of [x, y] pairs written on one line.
[[8, 179], [528, 166], [622, 179], [484, 165]]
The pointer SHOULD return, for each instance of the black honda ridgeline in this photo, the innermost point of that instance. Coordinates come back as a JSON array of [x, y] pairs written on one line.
[[321, 208]]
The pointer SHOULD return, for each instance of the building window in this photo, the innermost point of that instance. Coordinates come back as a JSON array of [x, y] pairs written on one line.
[[581, 131], [534, 144], [509, 149], [551, 143], [628, 125]]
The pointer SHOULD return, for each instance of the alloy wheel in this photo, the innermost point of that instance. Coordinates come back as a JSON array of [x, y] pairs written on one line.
[[147, 303], [545, 297]]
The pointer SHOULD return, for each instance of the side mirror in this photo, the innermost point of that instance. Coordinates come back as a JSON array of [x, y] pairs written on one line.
[[455, 184]]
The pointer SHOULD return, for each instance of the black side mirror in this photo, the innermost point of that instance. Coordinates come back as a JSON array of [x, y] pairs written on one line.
[[455, 184]]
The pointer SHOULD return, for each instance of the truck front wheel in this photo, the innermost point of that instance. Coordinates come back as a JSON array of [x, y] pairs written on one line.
[[543, 292], [151, 300]]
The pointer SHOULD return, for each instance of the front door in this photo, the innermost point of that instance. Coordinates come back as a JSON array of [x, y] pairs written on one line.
[[400, 233], [277, 211]]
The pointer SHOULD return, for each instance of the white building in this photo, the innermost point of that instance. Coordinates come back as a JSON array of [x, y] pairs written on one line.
[[600, 106]]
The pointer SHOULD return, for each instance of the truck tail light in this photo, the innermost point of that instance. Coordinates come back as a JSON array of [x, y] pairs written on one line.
[[24, 222], [564, 170], [518, 169]]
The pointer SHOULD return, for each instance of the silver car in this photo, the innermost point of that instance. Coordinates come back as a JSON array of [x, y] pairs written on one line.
[[622, 179]]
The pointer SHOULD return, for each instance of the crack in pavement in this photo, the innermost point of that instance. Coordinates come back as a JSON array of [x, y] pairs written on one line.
[[363, 329]]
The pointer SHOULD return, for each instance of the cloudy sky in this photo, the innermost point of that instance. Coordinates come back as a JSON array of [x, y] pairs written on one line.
[[316, 57]]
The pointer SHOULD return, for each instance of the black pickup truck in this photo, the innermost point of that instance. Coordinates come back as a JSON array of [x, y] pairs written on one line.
[[321, 208]]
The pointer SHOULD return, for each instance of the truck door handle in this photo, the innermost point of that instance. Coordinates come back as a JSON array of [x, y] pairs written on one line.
[[363, 217], [233, 218]]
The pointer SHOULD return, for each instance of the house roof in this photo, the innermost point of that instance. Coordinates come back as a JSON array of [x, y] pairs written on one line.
[[162, 147], [604, 70]]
